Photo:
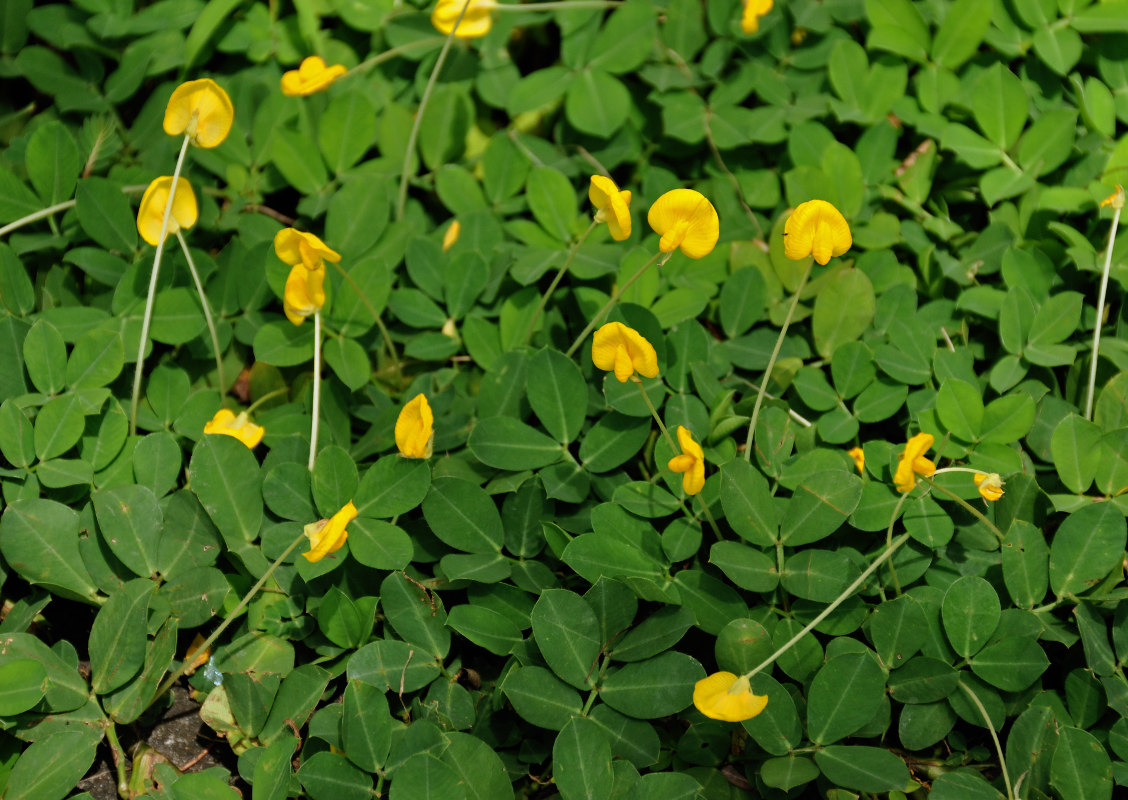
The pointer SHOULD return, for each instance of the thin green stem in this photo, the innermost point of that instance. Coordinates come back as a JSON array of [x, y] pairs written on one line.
[[772, 362], [556, 282], [151, 297], [119, 759], [826, 612], [388, 55], [660, 258], [55, 209], [207, 314], [316, 388], [413, 137], [654, 413], [203, 648], [268, 396], [388, 345], [975, 512], [994, 737], [889, 541], [709, 516], [1100, 313]]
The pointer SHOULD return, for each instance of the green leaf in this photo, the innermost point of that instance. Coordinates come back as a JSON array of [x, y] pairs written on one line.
[[52, 162], [328, 776], [366, 726], [416, 615], [300, 164], [334, 481], [923, 680], [1081, 768], [205, 26], [897, 26], [1000, 105], [747, 504], [1075, 446], [897, 629], [843, 696], [1025, 564], [539, 697], [843, 310], [105, 214], [567, 633], [745, 566], [392, 486], [45, 356], [273, 773], [464, 516], [597, 103], [17, 443], [131, 524], [970, 614], [348, 138], [612, 441], [118, 636], [819, 575], [581, 757], [39, 540], [96, 360], [58, 426], [52, 766], [819, 506], [442, 136], [656, 687], [960, 408], [356, 218], [23, 682], [867, 769], [960, 33], [508, 443], [485, 627], [557, 393], [552, 201], [379, 545], [1012, 664], [1086, 547], [225, 476]]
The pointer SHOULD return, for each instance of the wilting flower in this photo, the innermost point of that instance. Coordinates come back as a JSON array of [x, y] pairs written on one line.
[[624, 350], [202, 110], [415, 428], [990, 486], [913, 462], [304, 294], [151, 213], [328, 535], [691, 462], [476, 21], [859, 456], [1116, 199], [311, 76], [226, 422], [816, 228], [295, 247], [726, 697], [685, 220], [450, 238], [613, 206], [194, 656], [753, 10]]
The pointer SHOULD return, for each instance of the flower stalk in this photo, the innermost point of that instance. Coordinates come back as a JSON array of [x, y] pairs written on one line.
[[1117, 203], [207, 313], [316, 388], [660, 258], [556, 282]]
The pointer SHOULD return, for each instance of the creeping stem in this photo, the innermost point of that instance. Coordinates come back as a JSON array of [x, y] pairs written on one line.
[[148, 317], [207, 313], [1100, 313], [316, 388]]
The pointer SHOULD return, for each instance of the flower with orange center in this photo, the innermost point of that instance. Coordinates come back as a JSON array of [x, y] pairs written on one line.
[[150, 215], [297, 247], [990, 486], [816, 228], [226, 422], [691, 462], [859, 456], [311, 76], [415, 428], [624, 350], [753, 10], [612, 206], [476, 22], [202, 110], [686, 221], [728, 698], [913, 462], [304, 294], [328, 535]]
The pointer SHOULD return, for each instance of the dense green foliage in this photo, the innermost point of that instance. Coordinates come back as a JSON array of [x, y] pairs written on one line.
[[528, 610]]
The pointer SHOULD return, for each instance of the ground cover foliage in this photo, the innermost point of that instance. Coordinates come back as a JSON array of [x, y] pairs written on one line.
[[527, 610]]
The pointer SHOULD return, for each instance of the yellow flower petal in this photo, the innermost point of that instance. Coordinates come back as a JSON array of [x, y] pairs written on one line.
[[613, 206], [685, 220], [202, 110], [1116, 199], [226, 422], [476, 22], [625, 351], [691, 462], [990, 486], [297, 247], [726, 697], [753, 10], [816, 228], [913, 462], [151, 212], [304, 295], [415, 428], [329, 535], [311, 76], [450, 238], [859, 456]]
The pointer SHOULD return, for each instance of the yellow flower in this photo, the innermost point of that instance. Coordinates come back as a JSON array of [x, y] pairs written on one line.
[[990, 486], [311, 76], [691, 462], [913, 462], [304, 294], [686, 220], [202, 110], [753, 10], [624, 350], [450, 238], [476, 22], [195, 657], [1116, 199], [816, 228], [415, 428], [327, 535], [859, 456], [295, 247], [726, 697], [240, 427], [151, 213], [613, 206]]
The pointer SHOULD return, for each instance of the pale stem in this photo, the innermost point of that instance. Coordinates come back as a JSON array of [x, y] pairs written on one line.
[[975, 512], [151, 298], [560, 5], [316, 387], [207, 314], [63, 206], [889, 541], [994, 737], [772, 361], [388, 345], [268, 396], [119, 759], [405, 176], [826, 612], [556, 282], [388, 55], [654, 413], [203, 648], [615, 295], [1100, 314]]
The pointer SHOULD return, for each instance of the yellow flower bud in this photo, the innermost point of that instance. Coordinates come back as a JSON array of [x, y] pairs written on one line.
[[613, 206], [226, 422], [686, 221], [415, 428], [304, 294], [311, 76], [202, 110], [728, 698], [151, 213], [624, 350], [816, 228], [328, 535], [476, 22]]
